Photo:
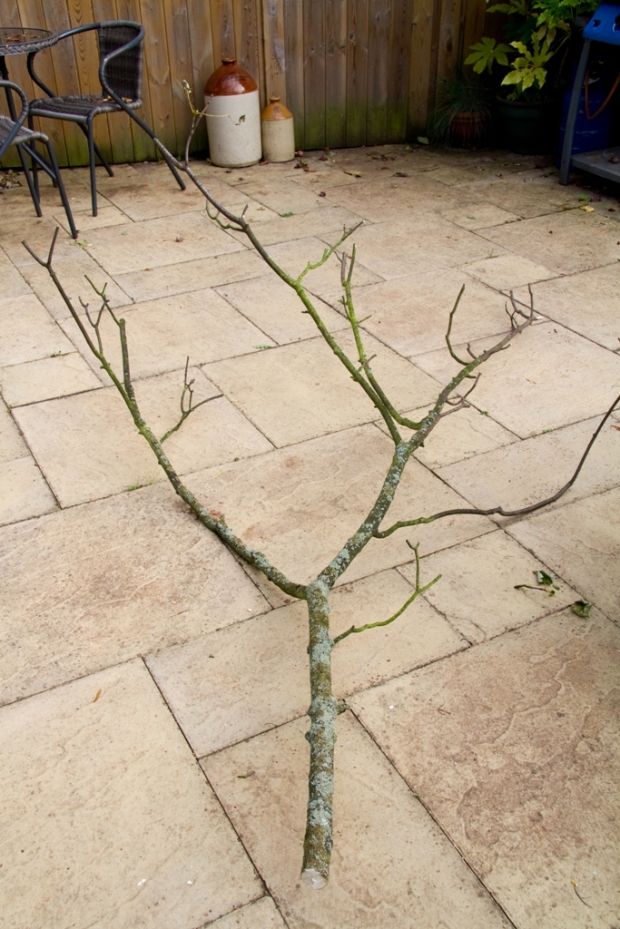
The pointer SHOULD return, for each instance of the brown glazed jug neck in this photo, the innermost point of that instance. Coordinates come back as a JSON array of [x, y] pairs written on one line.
[[230, 78], [275, 109]]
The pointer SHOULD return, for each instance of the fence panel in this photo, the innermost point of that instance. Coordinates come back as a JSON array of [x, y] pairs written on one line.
[[353, 72]]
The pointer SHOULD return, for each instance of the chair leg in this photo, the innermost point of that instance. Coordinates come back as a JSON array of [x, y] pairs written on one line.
[[97, 151], [61, 188], [146, 128], [33, 185], [91, 165]]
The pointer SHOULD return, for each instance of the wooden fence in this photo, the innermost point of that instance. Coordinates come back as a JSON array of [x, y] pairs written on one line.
[[353, 72]]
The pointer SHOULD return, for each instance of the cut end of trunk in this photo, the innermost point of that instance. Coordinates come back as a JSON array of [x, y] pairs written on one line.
[[313, 878]]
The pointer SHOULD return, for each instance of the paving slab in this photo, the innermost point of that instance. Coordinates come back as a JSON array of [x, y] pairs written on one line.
[[582, 540], [505, 272], [93, 769], [88, 446], [391, 194], [74, 268], [12, 444], [411, 313], [277, 310], [300, 504], [27, 331], [23, 490], [587, 303], [328, 221], [279, 193], [514, 748], [144, 575], [240, 681], [190, 275], [391, 865], [478, 592], [563, 242], [299, 391], [156, 242], [549, 377], [525, 472], [107, 215], [394, 249], [527, 193], [13, 284], [260, 915], [46, 378], [476, 215], [162, 333]]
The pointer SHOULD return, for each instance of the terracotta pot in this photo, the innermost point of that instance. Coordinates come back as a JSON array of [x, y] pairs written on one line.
[[233, 116]]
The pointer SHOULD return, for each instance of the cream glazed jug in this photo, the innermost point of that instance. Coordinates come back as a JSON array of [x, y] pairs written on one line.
[[232, 111]]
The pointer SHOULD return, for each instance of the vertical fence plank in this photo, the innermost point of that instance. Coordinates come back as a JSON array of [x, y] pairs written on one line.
[[378, 45], [66, 77], [179, 51], [397, 63], [314, 73], [422, 73], [449, 39], [127, 137], [294, 58], [274, 49], [248, 38], [474, 13], [223, 30], [158, 70], [30, 13], [357, 72], [335, 73], [81, 13], [203, 62]]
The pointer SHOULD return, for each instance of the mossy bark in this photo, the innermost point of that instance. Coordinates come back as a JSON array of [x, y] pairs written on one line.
[[323, 712]]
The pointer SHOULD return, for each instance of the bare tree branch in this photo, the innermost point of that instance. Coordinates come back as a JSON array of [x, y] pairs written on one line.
[[324, 708], [500, 510]]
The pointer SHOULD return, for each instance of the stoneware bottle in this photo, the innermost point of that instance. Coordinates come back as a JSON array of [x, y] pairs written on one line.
[[233, 116], [277, 131]]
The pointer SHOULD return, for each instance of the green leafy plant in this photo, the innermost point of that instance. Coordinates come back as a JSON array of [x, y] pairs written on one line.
[[536, 32]]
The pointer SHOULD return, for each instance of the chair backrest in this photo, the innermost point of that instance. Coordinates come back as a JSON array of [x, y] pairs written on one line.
[[121, 72], [9, 128]]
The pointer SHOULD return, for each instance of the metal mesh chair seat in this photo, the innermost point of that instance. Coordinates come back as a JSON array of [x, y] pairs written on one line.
[[23, 135], [14, 132], [79, 107], [120, 45]]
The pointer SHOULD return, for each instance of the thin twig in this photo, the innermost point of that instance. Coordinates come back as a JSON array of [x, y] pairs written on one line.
[[418, 591], [500, 510]]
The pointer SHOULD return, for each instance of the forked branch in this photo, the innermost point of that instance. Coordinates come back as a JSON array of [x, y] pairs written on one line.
[[324, 708]]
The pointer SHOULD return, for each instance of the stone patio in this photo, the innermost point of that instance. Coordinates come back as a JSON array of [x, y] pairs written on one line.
[[153, 690]]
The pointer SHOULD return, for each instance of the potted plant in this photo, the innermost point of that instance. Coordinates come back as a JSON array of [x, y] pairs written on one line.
[[462, 114], [530, 65]]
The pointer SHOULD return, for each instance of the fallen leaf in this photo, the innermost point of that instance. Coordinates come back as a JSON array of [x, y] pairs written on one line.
[[352, 173], [581, 608], [587, 209]]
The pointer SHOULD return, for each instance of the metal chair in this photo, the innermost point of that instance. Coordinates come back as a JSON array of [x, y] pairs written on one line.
[[120, 44], [13, 132]]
